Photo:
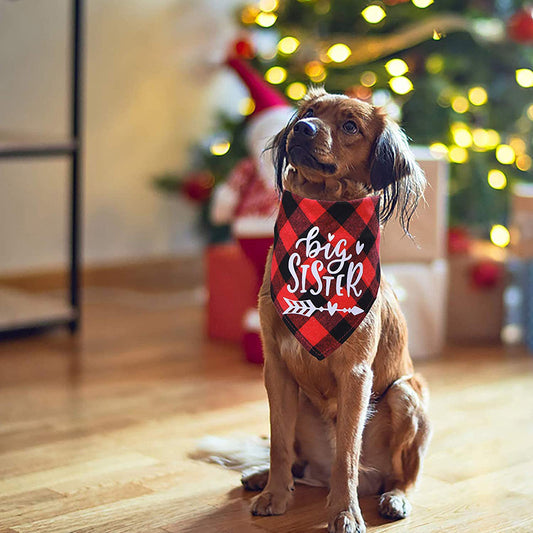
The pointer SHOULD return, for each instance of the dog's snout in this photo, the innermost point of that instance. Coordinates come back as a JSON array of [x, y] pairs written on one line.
[[305, 128]]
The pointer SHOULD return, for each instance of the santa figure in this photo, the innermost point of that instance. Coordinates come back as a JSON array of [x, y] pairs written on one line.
[[248, 200]]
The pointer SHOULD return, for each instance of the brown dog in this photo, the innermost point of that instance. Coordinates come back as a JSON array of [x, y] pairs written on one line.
[[340, 148]]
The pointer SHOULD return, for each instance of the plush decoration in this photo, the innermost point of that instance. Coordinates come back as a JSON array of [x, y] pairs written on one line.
[[325, 268]]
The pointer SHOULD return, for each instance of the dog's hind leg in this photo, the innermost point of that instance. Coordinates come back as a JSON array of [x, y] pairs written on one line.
[[410, 434]]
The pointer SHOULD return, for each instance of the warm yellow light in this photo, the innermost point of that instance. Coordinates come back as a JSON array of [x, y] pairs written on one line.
[[460, 104], [266, 19], [458, 154], [523, 162], [276, 75], [500, 236], [288, 45], [268, 5], [422, 4], [505, 154], [462, 137], [220, 147], [248, 14], [396, 67], [401, 85], [296, 91], [437, 36], [246, 106], [524, 77], [481, 138], [477, 95], [316, 71], [434, 63], [439, 150], [530, 112], [518, 145], [339, 52], [368, 78], [497, 179], [494, 138], [373, 14]]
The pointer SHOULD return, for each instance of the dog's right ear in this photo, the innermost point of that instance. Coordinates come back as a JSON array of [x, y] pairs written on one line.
[[278, 145]]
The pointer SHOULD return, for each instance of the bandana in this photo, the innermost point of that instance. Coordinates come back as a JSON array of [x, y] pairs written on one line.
[[325, 268]]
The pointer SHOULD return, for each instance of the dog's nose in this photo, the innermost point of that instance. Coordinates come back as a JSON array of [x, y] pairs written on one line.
[[306, 128]]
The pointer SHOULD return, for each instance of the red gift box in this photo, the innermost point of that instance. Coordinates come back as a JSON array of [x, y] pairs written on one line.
[[232, 290]]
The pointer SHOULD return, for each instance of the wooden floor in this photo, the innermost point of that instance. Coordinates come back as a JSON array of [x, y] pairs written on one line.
[[96, 431]]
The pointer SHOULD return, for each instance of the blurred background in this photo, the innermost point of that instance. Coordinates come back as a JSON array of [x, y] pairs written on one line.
[[136, 206]]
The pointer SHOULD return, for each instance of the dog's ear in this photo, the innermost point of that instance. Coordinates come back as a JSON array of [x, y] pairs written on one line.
[[395, 172], [278, 145]]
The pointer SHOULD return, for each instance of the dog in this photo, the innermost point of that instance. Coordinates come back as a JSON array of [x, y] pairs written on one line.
[[356, 421]]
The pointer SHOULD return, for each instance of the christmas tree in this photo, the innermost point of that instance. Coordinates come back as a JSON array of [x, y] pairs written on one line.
[[455, 73]]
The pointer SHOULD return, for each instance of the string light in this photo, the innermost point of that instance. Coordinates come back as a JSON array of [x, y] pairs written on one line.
[[524, 77], [296, 90], [368, 78], [530, 112], [288, 45], [481, 138], [422, 4], [220, 147], [523, 162], [316, 71], [396, 67], [439, 150], [437, 36], [266, 19], [401, 85], [339, 52], [458, 154], [494, 138], [268, 5], [460, 104], [500, 236], [276, 75], [462, 137], [373, 14], [497, 179], [434, 63], [246, 106], [249, 14], [477, 95], [505, 154]]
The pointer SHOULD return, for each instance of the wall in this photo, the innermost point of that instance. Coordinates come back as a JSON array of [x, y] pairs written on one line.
[[150, 80]]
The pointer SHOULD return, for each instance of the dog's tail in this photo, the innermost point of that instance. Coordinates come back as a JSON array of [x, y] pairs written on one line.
[[236, 452]]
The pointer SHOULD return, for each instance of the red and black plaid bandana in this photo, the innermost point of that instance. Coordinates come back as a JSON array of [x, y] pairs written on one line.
[[325, 268]]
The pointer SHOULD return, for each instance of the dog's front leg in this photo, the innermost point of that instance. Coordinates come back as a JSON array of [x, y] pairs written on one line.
[[354, 388], [283, 401]]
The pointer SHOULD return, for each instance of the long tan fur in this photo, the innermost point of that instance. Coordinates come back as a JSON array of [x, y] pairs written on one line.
[[356, 420]]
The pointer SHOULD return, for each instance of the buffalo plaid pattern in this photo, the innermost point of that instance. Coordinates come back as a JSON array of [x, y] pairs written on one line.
[[320, 312]]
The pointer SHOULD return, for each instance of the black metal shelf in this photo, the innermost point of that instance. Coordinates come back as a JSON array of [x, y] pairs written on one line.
[[72, 149]]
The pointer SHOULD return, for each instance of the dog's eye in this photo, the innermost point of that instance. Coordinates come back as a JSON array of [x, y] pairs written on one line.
[[350, 127], [308, 113]]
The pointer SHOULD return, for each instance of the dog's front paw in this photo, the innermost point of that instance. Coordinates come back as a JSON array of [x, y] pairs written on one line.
[[394, 505], [269, 503], [347, 522]]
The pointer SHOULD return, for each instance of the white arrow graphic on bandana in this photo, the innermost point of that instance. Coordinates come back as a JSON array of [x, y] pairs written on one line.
[[307, 308]]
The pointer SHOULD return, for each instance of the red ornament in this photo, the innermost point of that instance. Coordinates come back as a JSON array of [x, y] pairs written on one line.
[[198, 186], [520, 26], [244, 49], [458, 240], [486, 274]]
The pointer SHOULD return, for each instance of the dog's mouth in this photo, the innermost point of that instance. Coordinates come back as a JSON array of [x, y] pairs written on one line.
[[301, 156]]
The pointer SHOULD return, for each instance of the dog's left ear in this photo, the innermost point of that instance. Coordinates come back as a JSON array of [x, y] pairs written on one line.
[[395, 172], [278, 145]]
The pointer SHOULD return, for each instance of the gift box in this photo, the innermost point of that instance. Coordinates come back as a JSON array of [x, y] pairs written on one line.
[[429, 223], [231, 288], [522, 220], [421, 289], [475, 296]]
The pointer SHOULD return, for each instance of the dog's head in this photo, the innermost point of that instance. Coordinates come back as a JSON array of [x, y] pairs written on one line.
[[341, 148]]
